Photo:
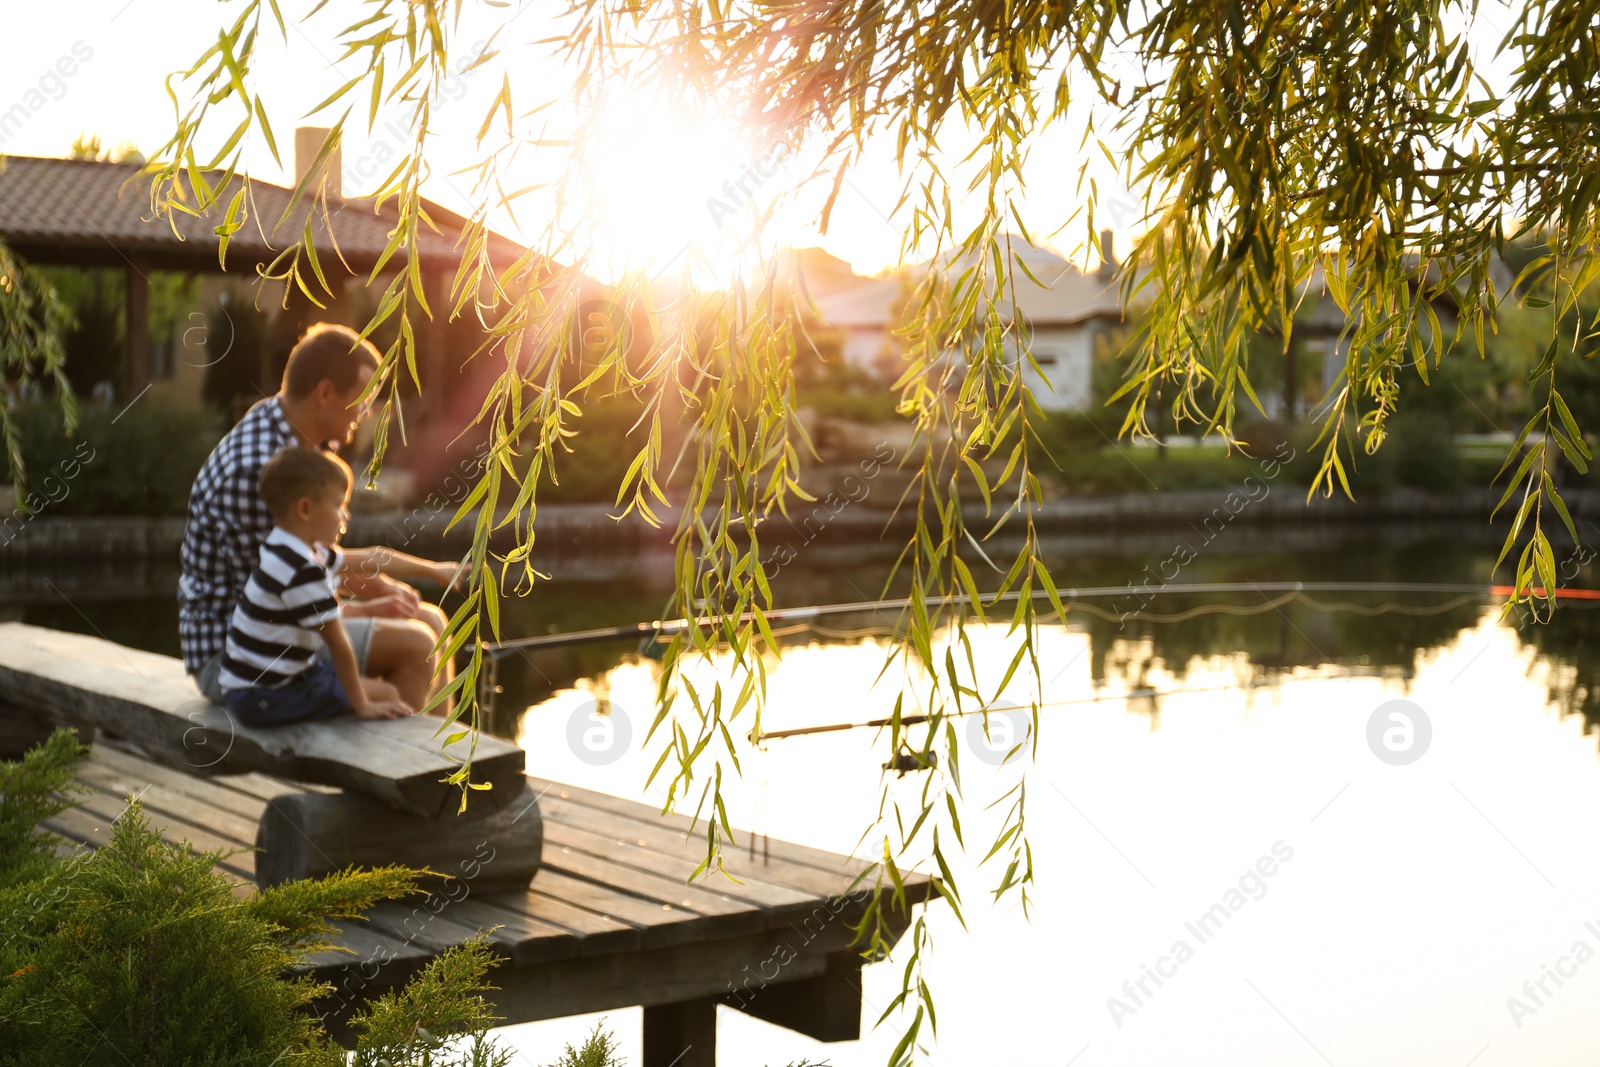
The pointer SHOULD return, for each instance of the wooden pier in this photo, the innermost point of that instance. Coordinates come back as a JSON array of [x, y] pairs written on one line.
[[609, 920]]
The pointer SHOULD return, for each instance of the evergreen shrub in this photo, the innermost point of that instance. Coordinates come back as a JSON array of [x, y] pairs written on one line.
[[140, 460]]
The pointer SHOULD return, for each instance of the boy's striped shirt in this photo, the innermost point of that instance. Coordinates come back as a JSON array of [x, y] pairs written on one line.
[[272, 636]]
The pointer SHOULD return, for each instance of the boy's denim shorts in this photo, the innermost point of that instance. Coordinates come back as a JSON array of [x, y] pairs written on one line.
[[316, 694], [209, 678]]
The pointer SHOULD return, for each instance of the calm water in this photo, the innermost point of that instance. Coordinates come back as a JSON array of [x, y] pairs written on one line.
[[1360, 911]]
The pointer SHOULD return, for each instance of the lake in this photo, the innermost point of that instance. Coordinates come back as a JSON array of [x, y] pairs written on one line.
[[1245, 851]]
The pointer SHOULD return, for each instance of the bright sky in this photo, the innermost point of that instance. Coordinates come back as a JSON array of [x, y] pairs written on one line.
[[663, 173], [663, 182]]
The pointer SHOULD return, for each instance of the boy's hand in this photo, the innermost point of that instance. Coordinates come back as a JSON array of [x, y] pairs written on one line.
[[374, 586], [392, 606], [384, 709]]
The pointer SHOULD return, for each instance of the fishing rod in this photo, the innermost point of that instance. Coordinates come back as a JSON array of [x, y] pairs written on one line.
[[660, 628], [1141, 693]]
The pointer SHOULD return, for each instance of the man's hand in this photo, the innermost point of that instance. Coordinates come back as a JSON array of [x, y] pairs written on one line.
[[366, 570], [449, 575]]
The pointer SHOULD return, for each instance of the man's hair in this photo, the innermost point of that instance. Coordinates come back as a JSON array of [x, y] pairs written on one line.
[[296, 473], [328, 352]]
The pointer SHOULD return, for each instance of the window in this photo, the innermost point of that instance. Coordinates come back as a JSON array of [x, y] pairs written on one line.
[[161, 362]]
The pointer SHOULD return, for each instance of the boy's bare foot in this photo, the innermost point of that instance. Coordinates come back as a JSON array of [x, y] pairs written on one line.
[[383, 701], [385, 709]]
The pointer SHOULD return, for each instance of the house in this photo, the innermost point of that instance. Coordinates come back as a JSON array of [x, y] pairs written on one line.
[[1064, 314], [88, 214], [97, 216], [1317, 358]]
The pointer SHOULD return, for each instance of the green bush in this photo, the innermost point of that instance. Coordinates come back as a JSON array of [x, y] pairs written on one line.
[[601, 447], [140, 461], [1083, 456], [1424, 453], [859, 404], [140, 954]]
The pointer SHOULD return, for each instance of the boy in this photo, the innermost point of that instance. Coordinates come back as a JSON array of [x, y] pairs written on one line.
[[273, 670]]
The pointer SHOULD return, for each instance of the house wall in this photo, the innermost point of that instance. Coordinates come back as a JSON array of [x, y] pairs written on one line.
[[865, 346], [178, 362], [1065, 354]]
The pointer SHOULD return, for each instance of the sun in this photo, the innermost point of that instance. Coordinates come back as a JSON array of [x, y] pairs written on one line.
[[660, 188]]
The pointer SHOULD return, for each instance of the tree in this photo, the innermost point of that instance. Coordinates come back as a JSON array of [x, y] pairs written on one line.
[[1270, 145], [33, 321], [88, 146]]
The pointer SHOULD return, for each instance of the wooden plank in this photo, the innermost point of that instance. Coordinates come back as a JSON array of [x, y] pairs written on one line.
[[831, 862], [733, 916], [126, 773], [264, 787], [378, 962], [753, 963], [637, 853], [77, 825], [413, 922], [242, 861], [173, 827], [155, 798], [665, 838], [530, 940], [658, 923], [219, 791], [592, 933], [149, 700]]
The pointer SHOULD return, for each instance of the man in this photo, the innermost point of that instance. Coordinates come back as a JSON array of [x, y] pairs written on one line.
[[317, 406]]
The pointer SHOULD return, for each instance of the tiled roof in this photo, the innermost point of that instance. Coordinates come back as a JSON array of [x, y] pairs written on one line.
[[869, 303], [1067, 297], [67, 210]]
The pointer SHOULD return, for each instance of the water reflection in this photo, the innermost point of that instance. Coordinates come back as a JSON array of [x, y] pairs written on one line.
[[1372, 631], [1329, 904]]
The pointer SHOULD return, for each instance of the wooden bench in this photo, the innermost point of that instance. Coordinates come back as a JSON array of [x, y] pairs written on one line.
[[394, 805]]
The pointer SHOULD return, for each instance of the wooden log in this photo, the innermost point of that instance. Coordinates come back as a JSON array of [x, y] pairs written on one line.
[[150, 702], [21, 730], [307, 835]]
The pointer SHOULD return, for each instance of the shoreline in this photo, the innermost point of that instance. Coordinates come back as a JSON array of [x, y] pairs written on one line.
[[584, 529]]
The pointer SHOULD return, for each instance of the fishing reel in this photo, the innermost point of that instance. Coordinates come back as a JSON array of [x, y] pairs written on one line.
[[906, 761]]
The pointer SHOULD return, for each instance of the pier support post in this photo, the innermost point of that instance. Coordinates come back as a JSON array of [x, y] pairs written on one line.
[[683, 1034]]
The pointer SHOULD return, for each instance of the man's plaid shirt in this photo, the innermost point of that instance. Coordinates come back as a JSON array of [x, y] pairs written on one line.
[[228, 520]]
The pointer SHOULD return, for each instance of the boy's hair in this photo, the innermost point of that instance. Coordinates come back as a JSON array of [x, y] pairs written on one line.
[[328, 352], [296, 473]]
